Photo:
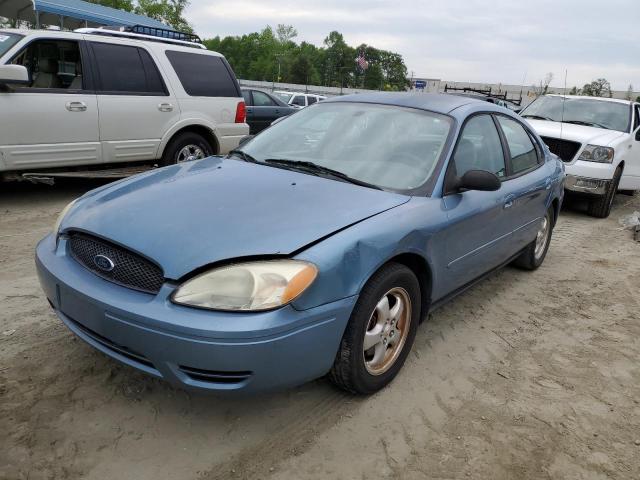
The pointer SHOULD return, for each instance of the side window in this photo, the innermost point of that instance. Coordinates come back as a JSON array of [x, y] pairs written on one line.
[[479, 147], [312, 100], [298, 100], [262, 100], [125, 69], [246, 94], [52, 64], [636, 122], [523, 153], [203, 75]]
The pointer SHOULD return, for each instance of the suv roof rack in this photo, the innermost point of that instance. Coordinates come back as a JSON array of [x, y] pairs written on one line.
[[148, 34], [486, 92]]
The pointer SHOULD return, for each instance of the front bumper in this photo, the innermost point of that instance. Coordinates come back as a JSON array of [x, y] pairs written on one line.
[[586, 185], [190, 348]]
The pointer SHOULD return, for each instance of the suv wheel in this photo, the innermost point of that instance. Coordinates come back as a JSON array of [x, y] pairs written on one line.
[[601, 207], [380, 332], [185, 147]]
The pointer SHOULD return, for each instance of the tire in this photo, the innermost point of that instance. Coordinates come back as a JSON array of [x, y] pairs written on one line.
[[601, 207], [367, 372], [533, 255], [177, 149]]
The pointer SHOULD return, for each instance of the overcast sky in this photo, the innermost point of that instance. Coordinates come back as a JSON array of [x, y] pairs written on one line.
[[493, 41]]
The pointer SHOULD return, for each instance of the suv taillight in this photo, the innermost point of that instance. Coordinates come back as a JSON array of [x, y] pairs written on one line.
[[241, 112]]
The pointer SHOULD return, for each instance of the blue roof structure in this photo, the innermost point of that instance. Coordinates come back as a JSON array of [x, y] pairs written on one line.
[[72, 14]]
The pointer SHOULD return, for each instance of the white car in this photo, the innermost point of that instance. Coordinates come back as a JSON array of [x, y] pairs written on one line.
[[299, 100], [96, 96], [597, 138]]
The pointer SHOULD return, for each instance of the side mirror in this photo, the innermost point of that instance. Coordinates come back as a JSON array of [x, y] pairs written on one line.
[[14, 74], [245, 139], [479, 180]]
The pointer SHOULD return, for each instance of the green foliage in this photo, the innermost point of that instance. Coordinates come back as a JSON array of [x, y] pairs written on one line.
[[259, 56], [575, 91], [598, 88], [170, 12]]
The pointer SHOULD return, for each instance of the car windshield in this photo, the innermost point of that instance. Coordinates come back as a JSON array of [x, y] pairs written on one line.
[[7, 40], [283, 96], [581, 111], [391, 147]]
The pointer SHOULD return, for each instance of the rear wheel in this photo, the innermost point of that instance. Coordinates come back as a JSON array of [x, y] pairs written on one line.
[[380, 332], [533, 256], [601, 207], [185, 147]]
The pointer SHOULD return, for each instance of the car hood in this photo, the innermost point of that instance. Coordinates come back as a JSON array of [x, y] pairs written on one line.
[[577, 133], [190, 215]]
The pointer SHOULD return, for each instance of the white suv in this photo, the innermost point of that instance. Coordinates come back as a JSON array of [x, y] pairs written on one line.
[[95, 97], [299, 100], [598, 138]]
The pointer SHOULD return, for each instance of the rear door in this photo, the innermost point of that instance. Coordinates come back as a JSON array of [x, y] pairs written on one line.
[[136, 108], [528, 182], [265, 110], [52, 121], [477, 237]]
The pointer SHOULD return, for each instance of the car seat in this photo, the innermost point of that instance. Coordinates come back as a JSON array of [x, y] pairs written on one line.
[[47, 76]]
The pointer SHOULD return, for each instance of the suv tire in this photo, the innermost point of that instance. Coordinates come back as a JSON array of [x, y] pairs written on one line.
[[185, 147], [601, 207]]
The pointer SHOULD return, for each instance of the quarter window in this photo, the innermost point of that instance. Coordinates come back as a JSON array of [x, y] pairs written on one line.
[[521, 148], [52, 64], [124, 69], [262, 100], [312, 100], [298, 100], [636, 124], [479, 148], [203, 75]]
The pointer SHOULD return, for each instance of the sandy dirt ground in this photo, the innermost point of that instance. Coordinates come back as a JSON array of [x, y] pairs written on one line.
[[525, 376]]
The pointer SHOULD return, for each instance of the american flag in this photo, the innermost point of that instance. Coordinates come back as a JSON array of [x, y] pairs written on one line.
[[362, 61]]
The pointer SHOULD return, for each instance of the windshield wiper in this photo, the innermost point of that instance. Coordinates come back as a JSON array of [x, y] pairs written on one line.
[[311, 167], [538, 117], [588, 124], [243, 155]]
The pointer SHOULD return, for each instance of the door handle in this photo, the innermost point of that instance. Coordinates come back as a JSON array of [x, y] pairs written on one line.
[[76, 106], [508, 201], [249, 110], [165, 107]]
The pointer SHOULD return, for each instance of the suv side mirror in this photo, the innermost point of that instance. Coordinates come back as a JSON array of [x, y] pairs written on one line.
[[14, 74], [479, 180]]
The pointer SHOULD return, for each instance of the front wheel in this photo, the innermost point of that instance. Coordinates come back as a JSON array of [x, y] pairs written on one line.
[[380, 332], [533, 256], [601, 207]]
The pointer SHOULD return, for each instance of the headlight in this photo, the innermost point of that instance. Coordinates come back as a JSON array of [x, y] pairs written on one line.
[[594, 153], [250, 286], [63, 213]]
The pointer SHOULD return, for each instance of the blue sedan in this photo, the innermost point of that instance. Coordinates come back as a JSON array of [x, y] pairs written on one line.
[[315, 248]]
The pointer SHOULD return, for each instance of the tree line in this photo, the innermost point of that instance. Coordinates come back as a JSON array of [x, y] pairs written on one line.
[[274, 56]]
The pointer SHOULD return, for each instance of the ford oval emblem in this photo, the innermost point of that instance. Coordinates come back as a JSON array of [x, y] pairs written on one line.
[[104, 263]]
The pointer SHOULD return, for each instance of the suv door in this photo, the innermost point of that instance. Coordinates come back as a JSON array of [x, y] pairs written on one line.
[[136, 107], [52, 121], [477, 236]]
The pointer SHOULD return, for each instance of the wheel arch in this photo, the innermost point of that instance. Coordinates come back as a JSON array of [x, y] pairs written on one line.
[[205, 130]]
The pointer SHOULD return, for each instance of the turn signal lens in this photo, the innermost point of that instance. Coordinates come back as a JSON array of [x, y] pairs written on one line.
[[248, 287]]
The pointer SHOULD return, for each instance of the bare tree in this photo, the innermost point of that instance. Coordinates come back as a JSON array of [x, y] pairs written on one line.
[[543, 86]]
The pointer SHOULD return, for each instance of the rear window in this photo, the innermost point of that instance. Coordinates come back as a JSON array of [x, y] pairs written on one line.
[[203, 75]]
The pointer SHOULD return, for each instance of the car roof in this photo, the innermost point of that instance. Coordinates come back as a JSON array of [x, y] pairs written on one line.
[[587, 97], [434, 102]]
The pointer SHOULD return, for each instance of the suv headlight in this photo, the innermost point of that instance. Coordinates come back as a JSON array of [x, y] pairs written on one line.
[[595, 153], [63, 213], [247, 287]]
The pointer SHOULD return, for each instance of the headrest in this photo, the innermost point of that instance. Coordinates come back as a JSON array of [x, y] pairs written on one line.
[[47, 65]]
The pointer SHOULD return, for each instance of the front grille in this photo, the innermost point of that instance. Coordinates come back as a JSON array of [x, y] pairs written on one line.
[[213, 376], [565, 149], [128, 269]]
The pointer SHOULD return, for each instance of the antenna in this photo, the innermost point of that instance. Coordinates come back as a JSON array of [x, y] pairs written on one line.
[[564, 99]]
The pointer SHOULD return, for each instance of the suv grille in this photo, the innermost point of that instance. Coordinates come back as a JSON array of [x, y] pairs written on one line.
[[565, 149], [127, 268]]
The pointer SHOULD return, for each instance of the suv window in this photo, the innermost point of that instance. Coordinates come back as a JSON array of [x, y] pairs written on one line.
[[636, 123], [203, 75], [261, 99], [52, 64], [298, 100], [126, 69], [312, 100], [523, 153], [479, 147]]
